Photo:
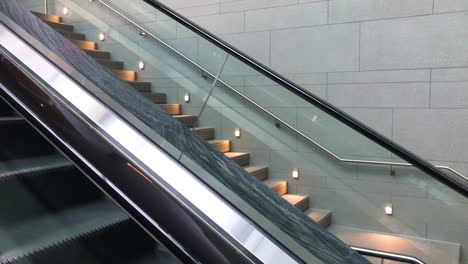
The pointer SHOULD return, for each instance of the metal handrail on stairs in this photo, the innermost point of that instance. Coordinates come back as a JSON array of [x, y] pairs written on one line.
[[275, 117], [388, 255]]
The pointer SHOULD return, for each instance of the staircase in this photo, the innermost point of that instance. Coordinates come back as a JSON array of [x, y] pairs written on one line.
[[322, 217]]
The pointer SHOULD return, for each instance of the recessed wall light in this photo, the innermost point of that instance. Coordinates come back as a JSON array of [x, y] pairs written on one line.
[[295, 174], [65, 11], [237, 132], [102, 36], [187, 97], [388, 209], [141, 65], [314, 118]]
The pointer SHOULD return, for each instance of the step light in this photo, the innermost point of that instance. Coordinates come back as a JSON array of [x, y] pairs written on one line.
[[314, 119], [187, 97], [141, 65], [389, 209], [237, 132], [65, 11], [102, 36], [295, 174]]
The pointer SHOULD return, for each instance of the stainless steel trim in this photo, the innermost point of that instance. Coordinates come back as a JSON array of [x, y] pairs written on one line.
[[161, 167], [388, 255], [46, 6], [371, 162]]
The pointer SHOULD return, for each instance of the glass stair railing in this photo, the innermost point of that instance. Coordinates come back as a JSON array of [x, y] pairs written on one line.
[[382, 197]]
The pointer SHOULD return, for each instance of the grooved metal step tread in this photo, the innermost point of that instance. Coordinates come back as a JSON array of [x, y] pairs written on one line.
[[221, 145], [301, 202], [259, 172], [430, 251], [279, 187], [321, 217], [45, 17], [31, 165], [206, 133], [241, 158], [30, 237]]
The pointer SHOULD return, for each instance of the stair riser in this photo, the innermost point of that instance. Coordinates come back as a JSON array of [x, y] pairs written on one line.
[[102, 55], [242, 160], [189, 121], [68, 28], [72, 35], [112, 65], [303, 205], [83, 44], [172, 109], [158, 98], [260, 174], [50, 18], [223, 146], [205, 133], [281, 189], [144, 87], [125, 75]]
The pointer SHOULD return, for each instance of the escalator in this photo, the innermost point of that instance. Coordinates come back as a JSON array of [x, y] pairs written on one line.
[[106, 165]]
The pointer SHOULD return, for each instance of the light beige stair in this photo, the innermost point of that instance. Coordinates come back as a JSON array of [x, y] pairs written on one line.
[[321, 217], [172, 109]]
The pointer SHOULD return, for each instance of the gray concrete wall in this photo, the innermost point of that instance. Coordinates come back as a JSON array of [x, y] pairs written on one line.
[[399, 66]]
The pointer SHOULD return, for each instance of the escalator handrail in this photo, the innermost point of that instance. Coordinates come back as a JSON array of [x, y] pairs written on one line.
[[335, 112]]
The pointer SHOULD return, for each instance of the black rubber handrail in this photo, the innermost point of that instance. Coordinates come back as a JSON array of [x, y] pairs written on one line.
[[338, 114]]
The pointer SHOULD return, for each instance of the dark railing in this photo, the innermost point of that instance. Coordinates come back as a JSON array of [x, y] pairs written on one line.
[[338, 114]]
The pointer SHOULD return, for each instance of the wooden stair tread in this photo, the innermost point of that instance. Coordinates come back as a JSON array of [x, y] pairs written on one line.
[[430, 251], [61, 26], [84, 44], [206, 133], [172, 109], [125, 75], [321, 217], [259, 172], [221, 145], [47, 17], [187, 120], [280, 187], [299, 201], [158, 98], [241, 158]]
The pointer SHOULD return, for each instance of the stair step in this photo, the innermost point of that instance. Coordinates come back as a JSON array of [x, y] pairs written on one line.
[[23, 167], [172, 109], [12, 120], [50, 18], [60, 26], [241, 158], [158, 98], [98, 54], [187, 120], [321, 217], [112, 65], [84, 44], [71, 35], [301, 202], [221, 145], [261, 173], [125, 75], [144, 87], [205, 133], [429, 251], [279, 187]]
